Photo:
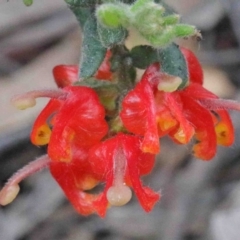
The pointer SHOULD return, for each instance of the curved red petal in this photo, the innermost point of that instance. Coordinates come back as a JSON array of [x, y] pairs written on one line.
[[102, 157], [139, 116], [81, 120], [185, 131], [65, 75], [203, 123], [152, 74], [71, 177], [146, 196], [41, 130], [198, 92], [224, 128], [194, 67]]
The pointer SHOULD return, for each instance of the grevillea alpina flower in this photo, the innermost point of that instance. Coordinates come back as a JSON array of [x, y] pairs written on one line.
[[72, 121], [151, 110], [73, 125], [118, 162]]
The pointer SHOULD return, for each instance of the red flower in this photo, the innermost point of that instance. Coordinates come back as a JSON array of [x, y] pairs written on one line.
[[151, 112], [71, 123], [86, 149], [118, 162], [80, 120]]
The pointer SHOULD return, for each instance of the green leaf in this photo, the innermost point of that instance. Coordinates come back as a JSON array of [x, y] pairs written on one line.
[[28, 2], [143, 56], [173, 63], [93, 52], [110, 37], [81, 14], [82, 3]]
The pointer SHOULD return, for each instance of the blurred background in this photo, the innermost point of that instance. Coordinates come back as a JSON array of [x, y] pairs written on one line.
[[200, 201]]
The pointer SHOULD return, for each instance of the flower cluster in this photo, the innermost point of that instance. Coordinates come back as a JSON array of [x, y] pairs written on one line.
[[89, 146], [85, 150], [182, 114]]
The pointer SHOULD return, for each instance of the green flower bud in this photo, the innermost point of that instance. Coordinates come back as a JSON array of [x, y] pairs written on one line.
[[163, 38], [113, 15], [148, 20], [140, 4], [171, 19], [184, 30]]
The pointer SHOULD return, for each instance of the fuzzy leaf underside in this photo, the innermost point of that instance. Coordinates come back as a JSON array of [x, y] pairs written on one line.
[[111, 37], [173, 63], [93, 52]]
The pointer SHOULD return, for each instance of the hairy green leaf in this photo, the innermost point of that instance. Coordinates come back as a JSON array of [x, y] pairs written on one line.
[[173, 63], [110, 37], [93, 52]]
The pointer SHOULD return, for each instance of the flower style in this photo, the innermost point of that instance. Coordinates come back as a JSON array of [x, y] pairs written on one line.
[[153, 110]]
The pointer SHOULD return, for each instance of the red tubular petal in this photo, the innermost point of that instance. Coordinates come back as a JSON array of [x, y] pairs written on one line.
[[65, 75], [203, 123], [194, 67], [198, 92], [101, 160], [101, 157], [151, 140], [165, 120], [139, 116], [68, 176], [41, 130], [76, 177], [152, 74], [138, 163], [145, 164], [81, 120], [185, 130], [146, 196], [134, 112], [224, 129]]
